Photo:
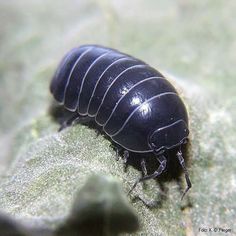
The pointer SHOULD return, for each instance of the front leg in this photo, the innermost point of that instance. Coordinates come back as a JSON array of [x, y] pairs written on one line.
[[162, 160]]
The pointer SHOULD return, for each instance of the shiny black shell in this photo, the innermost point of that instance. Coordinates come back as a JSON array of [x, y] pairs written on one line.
[[124, 95]]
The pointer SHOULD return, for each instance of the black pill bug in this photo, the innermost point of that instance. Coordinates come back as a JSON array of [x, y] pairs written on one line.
[[137, 107]]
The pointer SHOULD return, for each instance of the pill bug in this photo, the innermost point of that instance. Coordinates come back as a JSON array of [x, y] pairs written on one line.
[[136, 106]]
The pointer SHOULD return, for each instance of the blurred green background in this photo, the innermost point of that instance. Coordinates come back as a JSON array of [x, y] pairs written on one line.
[[193, 40]]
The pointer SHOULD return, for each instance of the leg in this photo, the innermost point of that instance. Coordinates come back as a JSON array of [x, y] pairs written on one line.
[[181, 161], [117, 154], [98, 132], [69, 122], [144, 168], [117, 149], [161, 168], [125, 157], [120, 150]]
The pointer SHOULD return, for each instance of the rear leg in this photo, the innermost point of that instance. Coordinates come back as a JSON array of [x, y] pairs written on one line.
[[75, 118], [121, 152], [69, 121], [144, 169], [118, 149], [125, 158]]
